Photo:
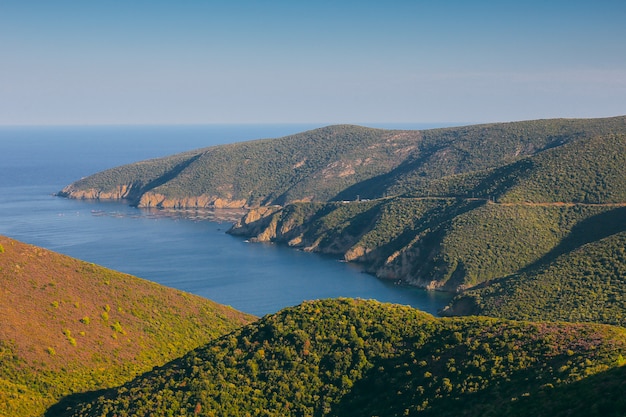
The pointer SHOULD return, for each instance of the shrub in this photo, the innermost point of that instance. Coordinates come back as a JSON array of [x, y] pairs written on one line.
[[117, 327], [68, 335]]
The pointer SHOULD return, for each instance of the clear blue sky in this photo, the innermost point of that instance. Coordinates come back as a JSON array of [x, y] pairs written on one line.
[[192, 61]]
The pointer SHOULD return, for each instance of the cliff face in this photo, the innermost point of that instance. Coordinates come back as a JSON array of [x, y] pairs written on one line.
[[296, 226], [134, 195], [258, 224], [203, 201], [120, 192]]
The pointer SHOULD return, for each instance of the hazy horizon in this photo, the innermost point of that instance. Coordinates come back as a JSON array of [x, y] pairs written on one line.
[[243, 62]]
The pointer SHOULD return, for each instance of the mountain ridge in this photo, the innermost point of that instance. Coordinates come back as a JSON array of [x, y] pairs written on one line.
[[331, 163]]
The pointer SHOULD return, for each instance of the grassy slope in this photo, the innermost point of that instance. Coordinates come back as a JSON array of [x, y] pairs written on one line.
[[351, 357], [68, 326]]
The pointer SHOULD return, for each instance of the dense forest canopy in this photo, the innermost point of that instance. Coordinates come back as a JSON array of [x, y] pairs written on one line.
[[354, 357]]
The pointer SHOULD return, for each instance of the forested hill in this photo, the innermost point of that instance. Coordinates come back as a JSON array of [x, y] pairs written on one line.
[[364, 358], [452, 234], [332, 163], [68, 326]]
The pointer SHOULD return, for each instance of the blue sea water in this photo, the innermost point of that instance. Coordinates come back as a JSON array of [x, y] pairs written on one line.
[[191, 254]]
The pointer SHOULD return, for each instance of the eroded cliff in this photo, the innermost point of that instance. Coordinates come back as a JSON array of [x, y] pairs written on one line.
[[328, 229]]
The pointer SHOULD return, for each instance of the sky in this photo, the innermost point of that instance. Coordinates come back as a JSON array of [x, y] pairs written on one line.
[[117, 62]]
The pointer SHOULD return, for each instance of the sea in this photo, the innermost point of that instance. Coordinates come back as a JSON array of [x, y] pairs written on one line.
[[176, 249]]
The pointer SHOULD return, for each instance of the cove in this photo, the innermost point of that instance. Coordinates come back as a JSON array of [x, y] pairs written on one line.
[[183, 251]]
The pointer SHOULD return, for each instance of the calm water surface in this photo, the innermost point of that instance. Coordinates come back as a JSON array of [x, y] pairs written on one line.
[[189, 254]]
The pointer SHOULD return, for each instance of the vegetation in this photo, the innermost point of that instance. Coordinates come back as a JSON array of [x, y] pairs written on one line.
[[332, 163], [465, 230], [584, 285], [586, 170], [436, 242], [445, 208], [49, 346], [526, 220], [314, 165], [589, 171], [352, 357]]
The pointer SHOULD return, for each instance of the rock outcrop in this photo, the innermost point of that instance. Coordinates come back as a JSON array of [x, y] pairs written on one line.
[[274, 224], [133, 194], [120, 192], [203, 201]]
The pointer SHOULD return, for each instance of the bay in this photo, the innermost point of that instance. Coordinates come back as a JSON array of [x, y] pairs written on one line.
[[180, 251]]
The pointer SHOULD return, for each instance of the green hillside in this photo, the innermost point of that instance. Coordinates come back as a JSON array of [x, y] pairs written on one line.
[[432, 242], [314, 165], [468, 229], [455, 161], [332, 163], [525, 220], [68, 326], [584, 285], [364, 358], [445, 208]]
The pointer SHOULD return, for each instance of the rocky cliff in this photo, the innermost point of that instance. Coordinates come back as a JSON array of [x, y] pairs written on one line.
[[151, 199], [120, 192], [306, 226]]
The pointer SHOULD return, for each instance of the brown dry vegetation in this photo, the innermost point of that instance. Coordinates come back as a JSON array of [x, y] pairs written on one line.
[[70, 326]]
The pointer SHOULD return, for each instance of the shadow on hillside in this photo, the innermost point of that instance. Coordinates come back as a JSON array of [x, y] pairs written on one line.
[[157, 182], [381, 392], [600, 395], [66, 406], [369, 189], [377, 186], [587, 231], [427, 235]]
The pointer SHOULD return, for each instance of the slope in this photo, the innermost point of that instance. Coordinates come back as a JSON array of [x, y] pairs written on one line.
[[68, 326], [332, 163], [354, 357], [313, 165], [547, 206], [587, 284], [587, 170]]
